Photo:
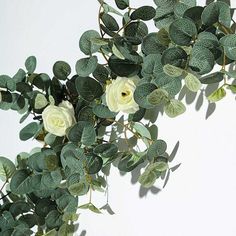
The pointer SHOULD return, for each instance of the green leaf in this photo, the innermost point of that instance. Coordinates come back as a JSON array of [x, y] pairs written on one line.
[[19, 76], [83, 132], [151, 174], [85, 43], [152, 65], [66, 229], [181, 8], [94, 209], [40, 101], [217, 12], [158, 96], [107, 8], [88, 88], [30, 64], [175, 56], [122, 4], [156, 149], [144, 13], [136, 29], [85, 66], [94, 163], [7, 168], [123, 68], [78, 189], [7, 82], [174, 108], [142, 130], [53, 219], [232, 87], [152, 44], [103, 111], [182, 31], [110, 22], [171, 85], [217, 95], [20, 183], [44, 206], [192, 82], [106, 150], [172, 71], [29, 131], [117, 53], [86, 114], [229, 43], [202, 60], [51, 180], [101, 73], [130, 161], [141, 92], [61, 70], [210, 41]]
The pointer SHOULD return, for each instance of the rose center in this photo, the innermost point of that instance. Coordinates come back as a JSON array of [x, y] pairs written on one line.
[[125, 94], [58, 122]]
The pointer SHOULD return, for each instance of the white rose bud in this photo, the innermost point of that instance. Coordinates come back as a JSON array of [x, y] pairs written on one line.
[[119, 95], [57, 119]]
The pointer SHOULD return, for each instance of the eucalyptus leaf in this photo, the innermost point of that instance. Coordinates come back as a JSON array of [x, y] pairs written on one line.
[[30, 64], [217, 95], [86, 66], [122, 4], [192, 82], [85, 43], [174, 108], [144, 13], [182, 31], [7, 168]]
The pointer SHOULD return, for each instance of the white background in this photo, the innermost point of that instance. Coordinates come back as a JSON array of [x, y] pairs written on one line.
[[199, 199]]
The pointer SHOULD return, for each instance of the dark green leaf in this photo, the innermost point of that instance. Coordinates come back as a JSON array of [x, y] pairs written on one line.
[[30, 64], [107, 150], [85, 43], [88, 88], [229, 43], [183, 31], [152, 44], [141, 93], [103, 111], [202, 60], [123, 68], [217, 12], [110, 22], [29, 131], [83, 132], [85, 66], [61, 70], [122, 4], [93, 163], [144, 13], [128, 162]]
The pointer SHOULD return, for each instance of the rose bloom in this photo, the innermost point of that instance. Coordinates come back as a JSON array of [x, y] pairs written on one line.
[[57, 119], [120, 95]]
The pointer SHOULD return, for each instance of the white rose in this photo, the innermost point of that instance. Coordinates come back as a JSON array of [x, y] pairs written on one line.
[[119, 95], [57, 119]]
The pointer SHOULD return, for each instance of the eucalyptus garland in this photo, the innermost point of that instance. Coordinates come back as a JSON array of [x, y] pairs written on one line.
[[98, 118]]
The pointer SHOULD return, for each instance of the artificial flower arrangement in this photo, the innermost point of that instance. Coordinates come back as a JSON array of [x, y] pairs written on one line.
[[80, 119]]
